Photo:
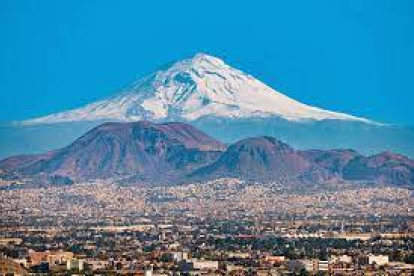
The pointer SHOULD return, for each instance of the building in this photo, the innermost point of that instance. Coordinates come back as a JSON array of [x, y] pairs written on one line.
[[322, 265], [5, 241], [194, 264], [75, 264], [296, 265], [176, 256], [97, 264], [9, 267], [341, 259], [149, 271], [275, 259], [52, 258], [310, 265], [22, 262], [36, 258], [378, 259], [58, 258], [238, 255]]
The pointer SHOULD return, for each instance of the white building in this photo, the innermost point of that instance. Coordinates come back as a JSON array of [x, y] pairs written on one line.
[[149, 271], [75, 264], [378, 259], [195, 264], [22, 262], [342, 259], [323, 265]]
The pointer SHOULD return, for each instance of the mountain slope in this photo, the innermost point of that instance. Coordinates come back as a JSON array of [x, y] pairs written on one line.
[[263, 158], [192, 89], [325, 134], [335, 161], [268, 159], [116, 149], [171, 153], [386, 167]]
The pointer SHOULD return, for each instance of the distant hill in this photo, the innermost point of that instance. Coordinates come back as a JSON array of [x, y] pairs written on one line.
[[173, 153]]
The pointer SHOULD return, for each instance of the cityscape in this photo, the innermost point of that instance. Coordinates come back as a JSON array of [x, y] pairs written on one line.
[[206, 138], [226, 226]]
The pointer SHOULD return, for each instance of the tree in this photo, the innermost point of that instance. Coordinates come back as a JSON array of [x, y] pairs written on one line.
[[303, 272], [409, 259]]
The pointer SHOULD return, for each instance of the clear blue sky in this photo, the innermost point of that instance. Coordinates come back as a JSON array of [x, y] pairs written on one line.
[[355, 56]]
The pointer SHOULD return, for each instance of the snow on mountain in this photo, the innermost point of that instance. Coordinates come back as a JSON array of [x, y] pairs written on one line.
[[194, 88]]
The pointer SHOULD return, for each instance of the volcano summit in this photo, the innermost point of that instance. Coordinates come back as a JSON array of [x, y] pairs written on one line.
[[220, 100], [194, 88]]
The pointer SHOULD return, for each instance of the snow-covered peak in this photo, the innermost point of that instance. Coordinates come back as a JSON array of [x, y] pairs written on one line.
[[190, 89], [202, 59]]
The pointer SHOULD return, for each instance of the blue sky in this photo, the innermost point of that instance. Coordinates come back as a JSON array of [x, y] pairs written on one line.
[[346, 55]]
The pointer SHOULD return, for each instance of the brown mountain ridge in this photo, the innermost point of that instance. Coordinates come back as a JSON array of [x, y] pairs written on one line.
[[180, 153]]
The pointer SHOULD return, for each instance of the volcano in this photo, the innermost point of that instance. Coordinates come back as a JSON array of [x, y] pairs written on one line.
[[222, 101]]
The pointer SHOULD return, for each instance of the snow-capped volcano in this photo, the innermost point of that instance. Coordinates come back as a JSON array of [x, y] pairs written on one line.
[[222, 101], [196, 88]]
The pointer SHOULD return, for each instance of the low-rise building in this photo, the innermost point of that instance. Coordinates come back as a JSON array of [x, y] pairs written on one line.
[[75, 264], [378, 259], [9, 267], [194, 264]]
